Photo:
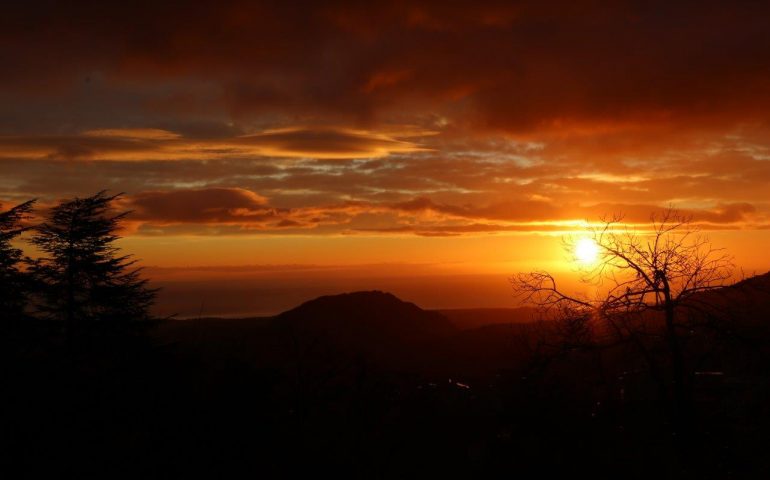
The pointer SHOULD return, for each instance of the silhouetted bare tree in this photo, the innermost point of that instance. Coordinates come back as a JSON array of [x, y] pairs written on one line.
[[84, 278], [649, 286], [14, 281]]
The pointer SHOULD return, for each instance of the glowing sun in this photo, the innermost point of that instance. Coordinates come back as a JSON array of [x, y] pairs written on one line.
[[586, 251]]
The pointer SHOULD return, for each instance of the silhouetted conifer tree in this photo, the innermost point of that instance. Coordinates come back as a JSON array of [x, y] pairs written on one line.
[[86, 283], [14, 281]]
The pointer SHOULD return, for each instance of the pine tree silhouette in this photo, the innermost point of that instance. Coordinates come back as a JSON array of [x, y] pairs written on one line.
[[14, 282], [86, 283]]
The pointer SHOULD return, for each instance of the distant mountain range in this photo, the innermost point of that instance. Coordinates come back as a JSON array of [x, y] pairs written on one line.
[[380, 328], [372, 325]]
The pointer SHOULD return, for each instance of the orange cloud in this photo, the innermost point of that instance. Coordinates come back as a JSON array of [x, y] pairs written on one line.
[[156, 144], [243, 211]]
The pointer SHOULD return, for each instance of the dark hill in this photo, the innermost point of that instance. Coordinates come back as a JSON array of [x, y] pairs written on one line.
[[333, 332], [750, 293], [366, 314], [744, 305], [746, 301]]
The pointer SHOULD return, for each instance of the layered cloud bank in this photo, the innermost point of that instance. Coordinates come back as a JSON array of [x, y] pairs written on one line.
[[235, 210], [393, 118]]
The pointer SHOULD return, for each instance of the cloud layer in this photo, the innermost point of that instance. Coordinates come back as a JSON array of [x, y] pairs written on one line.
[[427, 118]]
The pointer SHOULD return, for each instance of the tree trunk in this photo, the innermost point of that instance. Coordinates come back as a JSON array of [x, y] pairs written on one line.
[[682, 408]]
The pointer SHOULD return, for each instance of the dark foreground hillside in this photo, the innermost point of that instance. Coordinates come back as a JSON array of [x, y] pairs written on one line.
[[365, 385]]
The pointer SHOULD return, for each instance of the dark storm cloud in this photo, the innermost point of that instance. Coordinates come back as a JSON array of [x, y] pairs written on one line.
[[515, 66]]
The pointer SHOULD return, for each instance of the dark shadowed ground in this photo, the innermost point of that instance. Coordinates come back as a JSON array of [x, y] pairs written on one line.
[[365, 385]]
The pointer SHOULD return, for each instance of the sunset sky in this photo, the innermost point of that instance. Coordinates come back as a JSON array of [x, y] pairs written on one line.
[[334, 145]]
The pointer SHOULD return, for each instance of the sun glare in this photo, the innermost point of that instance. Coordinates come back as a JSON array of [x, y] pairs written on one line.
[[586, 251]]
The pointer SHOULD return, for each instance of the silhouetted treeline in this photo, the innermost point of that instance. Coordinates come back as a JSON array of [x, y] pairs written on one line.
[[15, 285], [77, 283]]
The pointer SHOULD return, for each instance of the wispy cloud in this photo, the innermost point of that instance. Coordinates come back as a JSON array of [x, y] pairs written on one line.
[[134, 144]]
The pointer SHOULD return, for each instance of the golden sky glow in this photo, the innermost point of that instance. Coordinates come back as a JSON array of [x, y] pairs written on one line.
[[466, 137]]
